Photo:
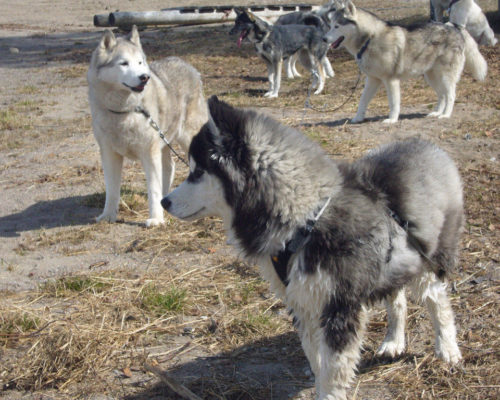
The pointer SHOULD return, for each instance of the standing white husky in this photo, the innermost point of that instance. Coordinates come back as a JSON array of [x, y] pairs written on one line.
[[123, 89], [388, 54]]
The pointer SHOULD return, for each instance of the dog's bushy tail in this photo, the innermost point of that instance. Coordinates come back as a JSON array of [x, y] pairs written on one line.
[[474, 60]]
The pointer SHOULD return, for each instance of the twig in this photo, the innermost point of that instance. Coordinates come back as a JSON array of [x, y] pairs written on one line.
[[181, 390]]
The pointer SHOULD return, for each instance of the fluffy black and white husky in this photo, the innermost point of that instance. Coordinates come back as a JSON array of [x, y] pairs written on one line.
[[331, 238]]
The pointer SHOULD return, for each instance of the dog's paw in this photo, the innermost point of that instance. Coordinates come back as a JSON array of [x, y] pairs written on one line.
[[318, 91], [106, 217], [357, 120], [434, 114], [448, 352], [444, 116], [390, 120], [154, 222], [391, 348], [271, 95]]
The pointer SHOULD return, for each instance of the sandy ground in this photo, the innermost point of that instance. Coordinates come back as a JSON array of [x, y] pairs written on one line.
[[44, 48]]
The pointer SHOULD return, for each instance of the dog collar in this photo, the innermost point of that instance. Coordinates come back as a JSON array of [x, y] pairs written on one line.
[[362, 50], [297, 242]]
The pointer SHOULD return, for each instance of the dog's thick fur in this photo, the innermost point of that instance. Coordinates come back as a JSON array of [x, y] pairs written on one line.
[[315, 18], [275, 43], [267, 181], [119, 80], [388, 54], [467, 14]]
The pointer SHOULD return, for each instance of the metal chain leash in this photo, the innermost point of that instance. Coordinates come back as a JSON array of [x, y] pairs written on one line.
[[155, 126], [308, 104]]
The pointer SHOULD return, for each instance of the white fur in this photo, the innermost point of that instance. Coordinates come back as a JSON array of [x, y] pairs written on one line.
[[468, 14]]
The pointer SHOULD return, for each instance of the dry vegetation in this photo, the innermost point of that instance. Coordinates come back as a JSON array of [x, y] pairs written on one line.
[[209, 320]]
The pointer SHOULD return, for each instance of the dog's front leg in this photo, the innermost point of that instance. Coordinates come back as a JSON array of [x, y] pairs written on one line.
[[168, 172], [112, 167], [153, 170], [275, 75], [343, 329], [270, 77], [371, 86], [394, 96]]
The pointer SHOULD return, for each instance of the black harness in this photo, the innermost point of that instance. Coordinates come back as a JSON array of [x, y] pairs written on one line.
[[362, 50], [303, 234]]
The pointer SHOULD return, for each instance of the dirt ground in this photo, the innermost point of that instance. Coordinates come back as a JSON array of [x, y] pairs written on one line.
[[52, 188]]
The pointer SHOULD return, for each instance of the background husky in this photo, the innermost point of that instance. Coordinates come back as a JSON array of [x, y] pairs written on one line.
[[388, 54], [268, 183], [119, 80], [314, 18], [279, 42], [440, 6], [466, 13]]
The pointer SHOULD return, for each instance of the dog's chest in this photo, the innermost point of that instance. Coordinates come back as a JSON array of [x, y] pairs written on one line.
[[131, 135]]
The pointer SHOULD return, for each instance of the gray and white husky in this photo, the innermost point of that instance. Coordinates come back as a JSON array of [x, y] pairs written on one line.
[[123, 90], [331, 237], [388, 54], [315, 18], [275, 43]]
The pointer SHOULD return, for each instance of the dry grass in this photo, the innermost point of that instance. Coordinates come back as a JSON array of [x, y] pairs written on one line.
[[212, 323]]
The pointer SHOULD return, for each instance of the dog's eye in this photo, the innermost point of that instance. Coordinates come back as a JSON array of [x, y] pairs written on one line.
[[124, 63], [195, 175], [336, 27]]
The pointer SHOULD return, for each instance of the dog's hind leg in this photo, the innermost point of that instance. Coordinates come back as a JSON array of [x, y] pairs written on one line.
[[112, 167], [394, 341], [432, 292], [435, 83], [394, 96], [371, 86], [288, 67], [153, 171]]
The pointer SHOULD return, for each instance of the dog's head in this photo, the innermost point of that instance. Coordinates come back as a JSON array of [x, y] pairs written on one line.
[[121, 61], [218, 157], [249, 26], [342, 17]]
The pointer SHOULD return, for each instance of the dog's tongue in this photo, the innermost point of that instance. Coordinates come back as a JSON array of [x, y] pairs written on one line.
[[240, 39]]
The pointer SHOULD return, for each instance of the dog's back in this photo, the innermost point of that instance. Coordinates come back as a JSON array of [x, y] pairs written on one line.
[[424, 190]]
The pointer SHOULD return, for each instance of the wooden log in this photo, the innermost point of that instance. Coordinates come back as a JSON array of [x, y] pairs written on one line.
[[193, 15], [101, 20]]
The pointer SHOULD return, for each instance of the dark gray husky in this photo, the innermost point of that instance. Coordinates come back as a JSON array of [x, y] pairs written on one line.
[[275, 43], [330, 237]]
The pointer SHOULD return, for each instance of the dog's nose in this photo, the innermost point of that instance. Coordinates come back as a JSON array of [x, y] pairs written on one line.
[[325, 39], [144, 78], [166, 203]]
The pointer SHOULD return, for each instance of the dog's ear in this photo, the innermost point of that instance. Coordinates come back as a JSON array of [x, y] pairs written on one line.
[[259, 23], [108, 40], [226, 118], [350, 9], [134, 36]]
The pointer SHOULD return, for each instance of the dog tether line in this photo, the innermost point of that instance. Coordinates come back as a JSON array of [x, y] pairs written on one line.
[[157, 128]]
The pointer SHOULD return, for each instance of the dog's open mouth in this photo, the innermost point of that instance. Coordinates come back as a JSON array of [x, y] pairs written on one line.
[[337, 42], [243, 35], [138, 88]]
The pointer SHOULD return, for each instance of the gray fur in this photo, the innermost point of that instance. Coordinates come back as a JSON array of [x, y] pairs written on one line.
[[267, 180], [389, 54]]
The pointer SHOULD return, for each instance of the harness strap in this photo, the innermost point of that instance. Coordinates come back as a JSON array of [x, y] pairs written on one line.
[[297, 242], [362, 50]]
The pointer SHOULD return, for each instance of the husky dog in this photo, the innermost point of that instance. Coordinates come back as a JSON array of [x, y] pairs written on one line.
[[331, 238], [279, 42], [388, 54], [440, 6], [467, 14], [315, 18], [123, 89]]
